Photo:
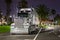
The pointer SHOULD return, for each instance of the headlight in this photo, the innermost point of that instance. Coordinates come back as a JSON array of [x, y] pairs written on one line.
[[50, 27]]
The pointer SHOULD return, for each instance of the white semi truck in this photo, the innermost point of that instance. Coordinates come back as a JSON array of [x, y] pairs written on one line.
[[26, 21]]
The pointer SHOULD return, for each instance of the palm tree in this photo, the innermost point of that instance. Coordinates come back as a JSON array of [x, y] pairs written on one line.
[[8, 4], [42, 11]]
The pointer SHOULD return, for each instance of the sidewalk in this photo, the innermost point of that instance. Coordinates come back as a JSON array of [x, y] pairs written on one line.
[[4, 34]]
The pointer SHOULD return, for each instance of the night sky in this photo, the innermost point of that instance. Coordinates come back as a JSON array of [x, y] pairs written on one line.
[[55, 4]]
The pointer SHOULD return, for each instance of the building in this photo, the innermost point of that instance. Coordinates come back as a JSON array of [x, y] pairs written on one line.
[[47, 22]]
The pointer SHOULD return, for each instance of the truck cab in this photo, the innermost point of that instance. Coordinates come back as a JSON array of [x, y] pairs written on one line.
[[25, 21]]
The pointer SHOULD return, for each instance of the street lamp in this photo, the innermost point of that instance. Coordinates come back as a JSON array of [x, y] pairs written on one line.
[[10, 16]]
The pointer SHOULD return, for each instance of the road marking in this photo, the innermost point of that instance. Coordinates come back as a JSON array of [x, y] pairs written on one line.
[[58, 35], [37, 34], [27, 39]]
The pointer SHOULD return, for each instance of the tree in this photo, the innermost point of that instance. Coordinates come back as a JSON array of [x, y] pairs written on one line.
[[53, 11], [57, 18], [8, 4], [0, 15], [23, 4], [42, 11]]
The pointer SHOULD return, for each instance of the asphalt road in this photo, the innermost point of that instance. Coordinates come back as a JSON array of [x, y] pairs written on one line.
[[47, 36], [41, 36], [17, 37]]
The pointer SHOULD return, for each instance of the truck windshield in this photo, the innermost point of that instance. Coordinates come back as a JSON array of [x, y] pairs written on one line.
[[23, 14]]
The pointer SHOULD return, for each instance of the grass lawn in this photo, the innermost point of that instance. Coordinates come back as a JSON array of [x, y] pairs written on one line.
[[4, 28]]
